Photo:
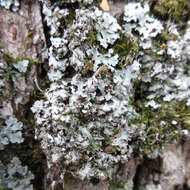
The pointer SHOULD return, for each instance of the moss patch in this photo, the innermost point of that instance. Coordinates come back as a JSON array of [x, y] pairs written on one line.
[[158, 134], [121, 185], [177, 10], [126, 47]]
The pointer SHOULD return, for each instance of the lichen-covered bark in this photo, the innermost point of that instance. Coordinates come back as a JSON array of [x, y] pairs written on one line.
[[94, 99]]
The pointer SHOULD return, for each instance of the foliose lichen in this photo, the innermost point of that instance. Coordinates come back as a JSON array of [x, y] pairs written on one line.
[[85, 117], [10, 4], [15, 176], [138, 20], [15, 76], [21, 65], [163, 97], [97, 113], [153, 187], [11, 132]]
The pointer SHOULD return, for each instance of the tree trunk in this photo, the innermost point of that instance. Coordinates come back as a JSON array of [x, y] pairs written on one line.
[[94, 95]]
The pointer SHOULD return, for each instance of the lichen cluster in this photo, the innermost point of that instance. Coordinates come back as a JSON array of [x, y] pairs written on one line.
[[13, 85], [85, 118], [164, 93], [10, 4], [116, 88], [10, 132], [138, 20], [13, 74], [128, 185], [15, 176]]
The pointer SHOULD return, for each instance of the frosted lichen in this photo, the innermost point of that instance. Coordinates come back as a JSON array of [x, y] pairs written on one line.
[[89, 121], [108, 29], [21, 66], [138, 20], [153, 187], [71, 1], [85, 116], [2, 79], [10, 4], [15, 176], [105, 59], [175, 78], [11, 132], [97, 111], [179, 48]]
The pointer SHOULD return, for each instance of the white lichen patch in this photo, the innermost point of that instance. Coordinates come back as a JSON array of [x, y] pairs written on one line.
[[138, 20], [85, 115], [11, 132], [2, 78], [10, 4], [75, 108], [153, 187], [89, 117], [21, 66], [179, 48], [14, 76], [108, 29], [108, 59], [15, 176], [171, 82]]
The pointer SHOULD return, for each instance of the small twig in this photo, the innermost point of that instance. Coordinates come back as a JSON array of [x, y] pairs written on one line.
[[37, 85]]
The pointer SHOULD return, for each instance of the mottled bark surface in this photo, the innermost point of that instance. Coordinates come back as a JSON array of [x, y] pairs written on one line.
[[21, 32]]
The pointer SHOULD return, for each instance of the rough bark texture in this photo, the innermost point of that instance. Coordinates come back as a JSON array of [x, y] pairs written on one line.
[[22, 33], [154, 157]]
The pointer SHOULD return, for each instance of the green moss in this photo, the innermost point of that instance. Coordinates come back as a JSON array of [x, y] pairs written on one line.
[[174, 9], [1, 46], [161, 40], [116, 186], [11, 72], [126, 47], [92, 37], [70, 18], [30, 33], [111, 149], [9, 58], [87, 68], [156, 134], [121, 185], [98, 1], [4, 188]]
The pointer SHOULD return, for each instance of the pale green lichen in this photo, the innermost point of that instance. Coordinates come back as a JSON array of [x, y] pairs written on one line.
[[21, 65], [92, 110], [108, 29], [102, 107], [138, 20], [11, 132], [153, 187], [14, 176], [10, 4]]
